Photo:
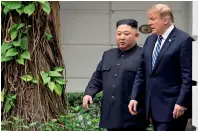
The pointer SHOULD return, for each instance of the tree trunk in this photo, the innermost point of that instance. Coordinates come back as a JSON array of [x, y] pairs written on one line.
[[34, 102]]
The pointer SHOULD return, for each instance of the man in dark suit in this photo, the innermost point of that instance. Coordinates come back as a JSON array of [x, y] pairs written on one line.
[[114, 76], [165, 73]]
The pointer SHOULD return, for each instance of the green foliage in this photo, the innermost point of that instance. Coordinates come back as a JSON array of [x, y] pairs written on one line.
[[20, 60], [76, 119], [29, 78], [18, 31], [26, 9], [46, 6], [35, 80], [13, 48], [11, 5], [48, 36], [29, 9], [26, 55], [10, 100], [54, 80], [24, 43], [16, 124], [11, 52]]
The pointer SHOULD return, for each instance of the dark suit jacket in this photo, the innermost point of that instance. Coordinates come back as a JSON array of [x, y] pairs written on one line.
[[114, 76], [170, 82]]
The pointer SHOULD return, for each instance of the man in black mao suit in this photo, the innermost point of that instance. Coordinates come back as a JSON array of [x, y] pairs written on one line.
[[114, 76], [165, 73]]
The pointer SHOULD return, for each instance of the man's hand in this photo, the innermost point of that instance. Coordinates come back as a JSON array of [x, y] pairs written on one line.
[[133, 107], [178, 111], [86, 100], [150, 120]]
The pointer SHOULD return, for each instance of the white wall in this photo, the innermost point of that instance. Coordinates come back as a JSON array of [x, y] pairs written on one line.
[[88, 29], [85, 33], [195, 63]]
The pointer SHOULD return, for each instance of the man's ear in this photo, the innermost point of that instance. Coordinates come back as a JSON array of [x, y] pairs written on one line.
[[137, 35], [166, 20]]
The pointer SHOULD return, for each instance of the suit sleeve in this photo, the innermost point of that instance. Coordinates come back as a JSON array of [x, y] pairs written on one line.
[[138, 90], [95, 84], [186, 72]]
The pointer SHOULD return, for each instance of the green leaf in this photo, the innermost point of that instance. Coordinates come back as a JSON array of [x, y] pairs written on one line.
[[7, 106], [20, 25], [16, 43], [26, 55], [6, 10], [20, 60], [27, 77], [29, 9], [58, 89], [43, 74], [58, 69], [24, 43], [51, 85], [60, 81], [11, 103], [45, 77], [42, 2], [11, 52], [2, 94], [54, 73], [33, 123], [5, 46], [4, 58], [46, 6], [13, 31], [14, 96], [24, 126], [20, 10], [49, 36], [13, 27], [34, 80], [13, 34], [12, 4]]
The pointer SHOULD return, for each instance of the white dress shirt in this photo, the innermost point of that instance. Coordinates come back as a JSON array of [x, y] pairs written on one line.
[[165, 36]]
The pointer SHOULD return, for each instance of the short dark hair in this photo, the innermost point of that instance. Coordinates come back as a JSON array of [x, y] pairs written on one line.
[[131, 22]]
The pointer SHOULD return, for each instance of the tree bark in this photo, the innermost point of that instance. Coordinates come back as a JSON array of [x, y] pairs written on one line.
[[34, 102]]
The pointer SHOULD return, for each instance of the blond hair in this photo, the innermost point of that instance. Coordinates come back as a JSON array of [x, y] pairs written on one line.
[[164, 10]]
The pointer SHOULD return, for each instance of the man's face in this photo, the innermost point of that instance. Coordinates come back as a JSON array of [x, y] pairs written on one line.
[[126, 37], [156, 22]]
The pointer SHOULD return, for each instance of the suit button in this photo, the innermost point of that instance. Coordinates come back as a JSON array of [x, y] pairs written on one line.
[[113, 85], [112, 97], [118, 64], [116, 74], [122, 55]]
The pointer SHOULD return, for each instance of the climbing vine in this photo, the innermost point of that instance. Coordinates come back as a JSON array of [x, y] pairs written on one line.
[[32, 63]]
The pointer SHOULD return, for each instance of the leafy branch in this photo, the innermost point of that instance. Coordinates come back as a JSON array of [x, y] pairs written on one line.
[[54, 80]]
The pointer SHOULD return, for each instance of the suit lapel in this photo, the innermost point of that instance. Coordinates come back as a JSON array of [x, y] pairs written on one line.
[[164, 48]]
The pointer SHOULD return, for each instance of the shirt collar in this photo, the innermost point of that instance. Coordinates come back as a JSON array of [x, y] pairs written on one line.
[[125, 53], [167, 32]]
